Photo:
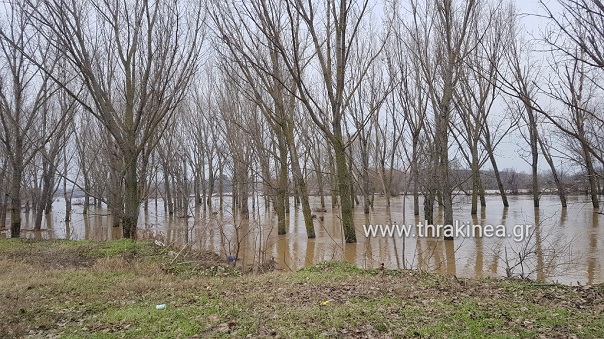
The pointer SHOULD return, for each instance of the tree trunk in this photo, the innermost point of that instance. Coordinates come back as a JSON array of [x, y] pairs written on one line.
[[365, 175], [363, 185], [15, 202], [504, 197], [483, 200], [296, 198], [591, 177], [429, 206], [550, 162], [442, 152], [343, 175], [66, 196], [320, 188], [15, 189], [86, 193], [3, 206], [300, 182], [39, 210], [243, 194], [415, 173], [211, 182], [282, 186], [220, 184], [197, 189], [533, 135], [334, 181], [45, 198], [201, 188], [351, 182], [132, 199], [168, 200], [475, 179], [49, 182]]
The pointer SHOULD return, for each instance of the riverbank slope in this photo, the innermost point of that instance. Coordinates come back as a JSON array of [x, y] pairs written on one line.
[[84, 289]]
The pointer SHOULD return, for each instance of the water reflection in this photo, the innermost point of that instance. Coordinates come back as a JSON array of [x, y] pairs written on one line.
[[564, 242]]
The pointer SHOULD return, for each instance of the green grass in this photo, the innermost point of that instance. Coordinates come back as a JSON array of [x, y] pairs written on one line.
[[123, 246], [110, 289]]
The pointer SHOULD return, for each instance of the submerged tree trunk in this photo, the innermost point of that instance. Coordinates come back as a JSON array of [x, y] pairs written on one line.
[[168, 200], [489, 149], [351, 181], [442, 152], [591, 177], [211, 182], [365, 175], [475, 179], [550, 161], [220, 184], [415, 173], [299, 180], [533, 141], [86, 192], [320, 189], [44, 203], [344, 186], [282, 186], [66, 196], [429, 206]]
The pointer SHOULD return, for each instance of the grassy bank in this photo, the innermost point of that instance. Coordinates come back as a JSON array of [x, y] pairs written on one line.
[[110, 289]]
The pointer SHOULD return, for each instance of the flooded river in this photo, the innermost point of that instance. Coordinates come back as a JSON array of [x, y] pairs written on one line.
[[563, 245]]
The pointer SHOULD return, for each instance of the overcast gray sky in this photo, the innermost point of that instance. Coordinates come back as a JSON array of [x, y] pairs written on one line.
[[510, 150]]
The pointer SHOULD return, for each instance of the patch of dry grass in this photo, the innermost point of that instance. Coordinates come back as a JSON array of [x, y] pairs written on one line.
[[111, 289]]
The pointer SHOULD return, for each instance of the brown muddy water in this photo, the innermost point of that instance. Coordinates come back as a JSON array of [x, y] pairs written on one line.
[[564, 245]]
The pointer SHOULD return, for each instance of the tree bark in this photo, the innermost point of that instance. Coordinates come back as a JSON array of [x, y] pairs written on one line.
[[343, 175], [475, 179], [132, 199], [299, 180], [15, 201], [489, 149], [282, 197], [533, 135]]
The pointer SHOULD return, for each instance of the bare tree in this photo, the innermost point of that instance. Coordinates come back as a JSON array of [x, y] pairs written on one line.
[[254, 52], [332, 31], [566, 84], [525, 90], [135, 68], [575, 91], [24, 94], [441, 33], [410, 99], [322, 35], [577, 33], [578, 25], [59, 113], [365, 108], [479, 93]]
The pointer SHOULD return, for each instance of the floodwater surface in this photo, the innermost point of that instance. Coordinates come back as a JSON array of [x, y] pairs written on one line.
[[563, 245]]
